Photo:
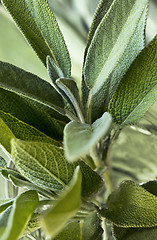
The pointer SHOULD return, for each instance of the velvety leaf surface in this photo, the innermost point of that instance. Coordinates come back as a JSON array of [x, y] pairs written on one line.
[[66, 206], [131, 206], [20, 214], [44, 164], [88, 229], [137, 90], [79, 138], [38, 24]]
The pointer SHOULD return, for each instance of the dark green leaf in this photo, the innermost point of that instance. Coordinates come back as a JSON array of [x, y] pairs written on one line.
[[20, 214], [3, 163], [65, 208], [137, 90], [79, 138], [40, 27], [131, 206], [151, 187]]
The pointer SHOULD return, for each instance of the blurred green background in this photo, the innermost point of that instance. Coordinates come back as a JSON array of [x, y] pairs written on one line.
[[134, 155]]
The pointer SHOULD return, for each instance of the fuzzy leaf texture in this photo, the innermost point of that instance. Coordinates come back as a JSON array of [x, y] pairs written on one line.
[[131, 206], [65, 208], [137, 90], [20, 214], [79, 138], [39, 26], [44, 164], [117, 41]]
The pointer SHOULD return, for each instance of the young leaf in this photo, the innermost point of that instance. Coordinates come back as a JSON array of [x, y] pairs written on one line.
[[79, 138], [66, 206], [41, 29], [34, 160], [29, 85], [20, 214], [88, 229], [11, 127], [131, 206], [4, 204], [137, 90]]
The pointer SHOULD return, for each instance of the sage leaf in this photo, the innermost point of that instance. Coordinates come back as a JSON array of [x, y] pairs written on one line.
[[79, 138], [38, 24], [44, 165], [89, 228], [100, 12], [65, 208], [4, 204], [21, 212], [4, 216], [29, 85], [131, 206], [3, 163], [137, 90], [33, 224], [11, 127]]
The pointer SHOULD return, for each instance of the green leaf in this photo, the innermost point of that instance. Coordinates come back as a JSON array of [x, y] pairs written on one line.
[[11, 127], [112, 50], [131, 206], [34, 161], [4, 220], [137, 90], [4, 204], [114, 39], [100, 12], [79, 138], [65, 208], [42, 163], [87, 229], [33, 224], [38, 24], [29, 85], [20, 214]]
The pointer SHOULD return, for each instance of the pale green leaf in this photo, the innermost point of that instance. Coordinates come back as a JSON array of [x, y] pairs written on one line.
[[20, 214], [114, 35], [4, 204], [29, 85], [131, 206], [11, 127], [137, 90], [66, 206], [41, 29], [4, 220], [33, 224], [87, 229], [100, 12], [79, 138], [44, 164]]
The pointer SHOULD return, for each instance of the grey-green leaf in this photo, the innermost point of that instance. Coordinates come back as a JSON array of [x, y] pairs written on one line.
[[38, 24], [131, 206], [66, 206], [79, 138], [113, 35], [20, 214], [5, 203], [137, 90], [3, 163]]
